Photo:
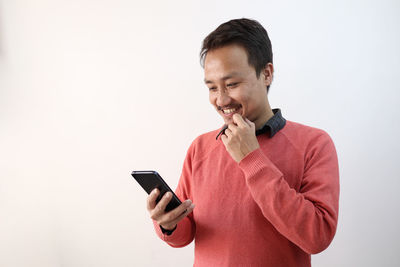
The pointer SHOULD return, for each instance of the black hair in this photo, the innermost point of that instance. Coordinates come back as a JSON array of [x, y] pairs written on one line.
[[248, 33]]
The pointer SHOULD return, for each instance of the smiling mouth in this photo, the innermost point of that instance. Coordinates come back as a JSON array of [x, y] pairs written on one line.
[[230, 111]]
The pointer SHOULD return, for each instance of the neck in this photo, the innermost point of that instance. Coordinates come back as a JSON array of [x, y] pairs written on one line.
[[268, 114]]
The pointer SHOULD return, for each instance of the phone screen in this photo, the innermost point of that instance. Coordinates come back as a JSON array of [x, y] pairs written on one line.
[[149, 180]]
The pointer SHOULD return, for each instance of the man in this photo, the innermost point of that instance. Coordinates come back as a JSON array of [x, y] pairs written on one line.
[[267, 190]]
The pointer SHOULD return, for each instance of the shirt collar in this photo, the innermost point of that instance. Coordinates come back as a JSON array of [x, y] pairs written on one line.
[[274, 124]]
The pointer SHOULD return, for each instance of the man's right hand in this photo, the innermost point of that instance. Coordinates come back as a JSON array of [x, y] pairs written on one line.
[[167, 220]]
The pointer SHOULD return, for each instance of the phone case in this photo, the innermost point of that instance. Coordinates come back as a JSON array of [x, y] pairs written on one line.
[[150, 180]]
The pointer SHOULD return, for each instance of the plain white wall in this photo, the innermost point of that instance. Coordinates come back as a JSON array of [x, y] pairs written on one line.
[[91, 90]]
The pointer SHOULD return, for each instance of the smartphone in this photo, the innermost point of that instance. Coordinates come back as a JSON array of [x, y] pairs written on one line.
[[149, 180]]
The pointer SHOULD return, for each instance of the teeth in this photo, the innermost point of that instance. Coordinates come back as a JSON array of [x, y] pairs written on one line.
[[228, 111]]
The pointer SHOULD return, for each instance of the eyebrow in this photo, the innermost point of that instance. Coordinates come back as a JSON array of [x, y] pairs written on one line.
[[226, 77]]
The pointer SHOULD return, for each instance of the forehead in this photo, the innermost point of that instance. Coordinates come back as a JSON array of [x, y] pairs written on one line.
[[227, 60]]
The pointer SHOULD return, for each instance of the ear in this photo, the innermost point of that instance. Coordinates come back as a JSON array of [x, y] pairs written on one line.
[[268, 73]]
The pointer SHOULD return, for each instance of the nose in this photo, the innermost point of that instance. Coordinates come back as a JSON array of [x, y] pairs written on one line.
[[223, 98]]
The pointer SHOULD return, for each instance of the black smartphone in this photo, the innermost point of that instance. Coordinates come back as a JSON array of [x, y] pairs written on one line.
[[150, 180]]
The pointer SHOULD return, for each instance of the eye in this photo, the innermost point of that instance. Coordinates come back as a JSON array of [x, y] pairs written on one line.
[[232, 85], [212, 88]]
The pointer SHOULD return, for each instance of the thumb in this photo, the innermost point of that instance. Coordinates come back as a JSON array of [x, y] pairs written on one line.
[[251, 124]]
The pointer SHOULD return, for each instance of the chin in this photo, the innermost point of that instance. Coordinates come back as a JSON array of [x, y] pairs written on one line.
[[226, 120]]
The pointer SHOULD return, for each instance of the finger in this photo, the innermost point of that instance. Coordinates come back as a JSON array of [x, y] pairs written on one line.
[[151, 199], [168, 220], [174, 220], [162, 204], [224, 139], [180, 209], [238, 119], [185, 213], [222, 130], [232, 127], [228, 133], [250, 123]]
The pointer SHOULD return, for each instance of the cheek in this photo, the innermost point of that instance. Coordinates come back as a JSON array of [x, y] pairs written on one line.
[[212, 98], [253, 95], [242, 97]]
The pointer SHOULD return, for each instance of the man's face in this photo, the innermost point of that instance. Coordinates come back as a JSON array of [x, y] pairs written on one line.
[[234, 86]]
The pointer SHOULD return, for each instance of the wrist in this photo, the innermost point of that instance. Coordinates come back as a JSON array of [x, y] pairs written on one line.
[[168, 231]]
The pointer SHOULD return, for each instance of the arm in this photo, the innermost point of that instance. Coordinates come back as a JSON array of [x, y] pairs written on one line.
[[183, 228], [307, 218], [182, 236]]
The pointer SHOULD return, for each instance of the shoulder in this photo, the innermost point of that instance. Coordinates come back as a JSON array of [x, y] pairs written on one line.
[[206, 138], [203, 144], [305, 138], [315, 145], [300, 132], [296, 128]]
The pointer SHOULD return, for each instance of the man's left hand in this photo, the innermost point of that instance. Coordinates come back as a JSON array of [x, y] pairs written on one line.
[[240, 138]]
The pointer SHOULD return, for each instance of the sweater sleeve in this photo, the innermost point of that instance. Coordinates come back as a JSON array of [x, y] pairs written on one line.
[[186, 228], [307, 217]]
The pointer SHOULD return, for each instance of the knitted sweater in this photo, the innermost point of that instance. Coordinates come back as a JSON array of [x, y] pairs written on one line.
[[274, 208]]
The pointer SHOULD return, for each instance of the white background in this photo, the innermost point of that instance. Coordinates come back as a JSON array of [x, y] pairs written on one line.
[[93, 89]]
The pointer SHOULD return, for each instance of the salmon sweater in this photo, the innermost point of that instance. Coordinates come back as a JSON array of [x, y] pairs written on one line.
[[275, 208]]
